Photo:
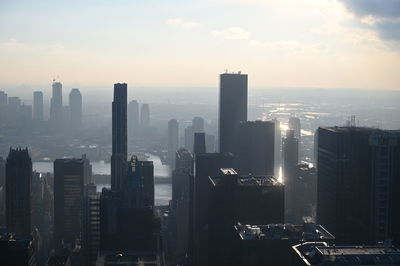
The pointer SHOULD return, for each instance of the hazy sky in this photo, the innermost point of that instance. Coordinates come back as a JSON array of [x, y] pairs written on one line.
[[295, 43]]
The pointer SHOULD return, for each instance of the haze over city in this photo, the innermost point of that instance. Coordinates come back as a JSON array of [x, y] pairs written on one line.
[[305, 43], [200, 133]]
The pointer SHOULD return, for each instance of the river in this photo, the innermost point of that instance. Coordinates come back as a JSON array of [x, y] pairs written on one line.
[[163, 192]]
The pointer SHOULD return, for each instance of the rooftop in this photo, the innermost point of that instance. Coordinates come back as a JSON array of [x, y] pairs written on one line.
[[229, 174], [321, 254], [307, 232]]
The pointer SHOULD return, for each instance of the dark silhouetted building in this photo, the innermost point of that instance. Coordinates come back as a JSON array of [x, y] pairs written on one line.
[[196, 127], [18, 193], [145, 115], [254, 152], [359, 184], [271, 244], [290, 153], [199, 143], [16, 251], [205, 165], [133, 118], [232, 109], [126, 216], [68, 201], [75, 107], [119, 136], [304, 193], [38, 105], [173, 141], [319, 253], [91, 225], [232, 199], [138, 185], [2, 172], [179, 215], [180, 176]]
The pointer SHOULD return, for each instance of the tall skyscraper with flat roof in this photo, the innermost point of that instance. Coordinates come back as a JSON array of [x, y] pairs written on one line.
[[232, 109], [18, 192], [173, 140], [294, 124], [359, 184], [133, 118], [68, 201], [119, 136], [75, 107], [56, 104], [290, 153], [254, 152], [145, 115], [38, 105]]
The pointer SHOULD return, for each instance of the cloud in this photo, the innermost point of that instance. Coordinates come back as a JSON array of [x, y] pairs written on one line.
[[376, 8], [382, 16], [233, 33], [182, 23]]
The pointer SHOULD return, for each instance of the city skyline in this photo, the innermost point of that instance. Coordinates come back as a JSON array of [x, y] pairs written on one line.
[[335, 42]]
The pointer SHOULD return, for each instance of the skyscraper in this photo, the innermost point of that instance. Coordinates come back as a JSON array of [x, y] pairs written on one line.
[[277, 148], [359, 184], [56, 104], [3, 106], [75, 107], [290, 152], [133, 118], [18, 192], [119, 136], [68, 201], [232, 199], [232, 109], [173, 141], [206, 165], [38, 105], [294, 124], [254, 151], [199, 143], [198, 124], [145, 115]]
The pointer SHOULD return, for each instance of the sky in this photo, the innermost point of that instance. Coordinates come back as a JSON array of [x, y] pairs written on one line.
[[187, 43]]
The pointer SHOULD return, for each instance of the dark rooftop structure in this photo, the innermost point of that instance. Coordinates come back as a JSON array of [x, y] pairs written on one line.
[[307, 231], [319, 253], [128, 258]]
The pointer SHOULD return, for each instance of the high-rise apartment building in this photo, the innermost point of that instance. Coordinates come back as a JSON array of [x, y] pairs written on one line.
[[208, 164], [145, 115], [254, 151], [18, 192], [68, 201], [133, 118], [277, 149], [38, 105], [359, 184], [119, 136], [56, 104], [232, 109], [290, 153], [294, 124], [75, 107], [173, 141]]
